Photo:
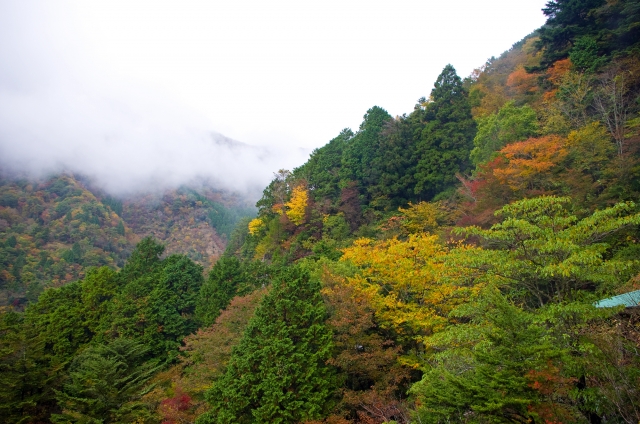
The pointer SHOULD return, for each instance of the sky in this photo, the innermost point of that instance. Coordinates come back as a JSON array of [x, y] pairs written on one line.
[[138, 93]]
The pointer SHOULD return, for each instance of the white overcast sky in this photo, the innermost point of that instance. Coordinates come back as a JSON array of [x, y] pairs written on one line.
[[82, 78]]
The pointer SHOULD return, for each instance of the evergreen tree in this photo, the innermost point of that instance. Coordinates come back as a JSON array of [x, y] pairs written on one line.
[[120, 228], [278, 373], [221, 286], [158, 307], [25, 378], [363, 155], [447, 138], [322, 170], [395, 185], [105, 384]]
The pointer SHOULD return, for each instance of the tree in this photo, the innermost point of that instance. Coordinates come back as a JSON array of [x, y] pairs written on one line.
[[510, 124], [493, 369], [297, 205], [26, 379], [588, 30], [156, 308], [374, 381], [322, 170], [221, 286], [544, 254], [528, 162], [397, 164], [278, 372], [403, 281], [613, 104], [447, 138], [105, 384], [566, 21], [180, 391], [362, 156]]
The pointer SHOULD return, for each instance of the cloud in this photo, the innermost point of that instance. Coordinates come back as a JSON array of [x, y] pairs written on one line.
[[58, 112]]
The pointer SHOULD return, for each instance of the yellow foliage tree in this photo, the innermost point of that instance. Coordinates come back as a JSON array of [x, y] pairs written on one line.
[[420, 217], [297, 206], [411, 284], [255, 225]]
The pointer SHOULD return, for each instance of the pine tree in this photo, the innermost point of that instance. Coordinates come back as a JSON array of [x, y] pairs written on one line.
[[278, 373]]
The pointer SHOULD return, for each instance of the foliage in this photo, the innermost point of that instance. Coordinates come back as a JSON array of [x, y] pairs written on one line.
[[277, 373], [105, 384], [447, 138], [151, 301], [498, 374], [362, 156], [255, 225], [528, 162], [484, 317], [421, 217], [587, 30], [50, 232], [374, 382], [497, 130], [545, 254], [402, 281], [228, 278], [297, 206]]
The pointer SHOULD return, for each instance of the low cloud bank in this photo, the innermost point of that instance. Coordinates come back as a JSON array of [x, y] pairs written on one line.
[[58, 112]]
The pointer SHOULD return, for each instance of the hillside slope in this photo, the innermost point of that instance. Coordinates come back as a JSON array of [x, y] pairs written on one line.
[[52, 229]]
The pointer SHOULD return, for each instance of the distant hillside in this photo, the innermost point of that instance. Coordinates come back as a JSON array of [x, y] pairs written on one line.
[[52, 229], [196, 223]]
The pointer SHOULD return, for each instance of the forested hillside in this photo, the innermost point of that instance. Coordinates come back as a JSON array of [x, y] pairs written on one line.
[[443, 266], [53, 229]]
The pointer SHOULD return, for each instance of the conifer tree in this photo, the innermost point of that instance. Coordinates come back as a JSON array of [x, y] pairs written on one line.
[[278, 372], [362, 155], [221, 286], [447, 138], [105, 384]]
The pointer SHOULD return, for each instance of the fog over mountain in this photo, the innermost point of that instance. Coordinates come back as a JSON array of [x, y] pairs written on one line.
[[131, 91], [58, 111]]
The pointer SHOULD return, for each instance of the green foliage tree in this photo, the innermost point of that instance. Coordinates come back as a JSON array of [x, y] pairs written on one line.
[[447, 138], [491, 376], [510, 124], [278, 372], [566, 20], [25, 381], [395, 184], [120, 228], [156, 307], [151, 301], [221, 286], [588, 30], [546, 254], [105, 384], [322, 170], [363, 155]]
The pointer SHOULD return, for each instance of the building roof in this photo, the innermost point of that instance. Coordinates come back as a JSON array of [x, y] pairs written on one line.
[[627, 299]]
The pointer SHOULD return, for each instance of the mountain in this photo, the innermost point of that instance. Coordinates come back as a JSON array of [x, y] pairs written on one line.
[[446, 265], [52, 229]]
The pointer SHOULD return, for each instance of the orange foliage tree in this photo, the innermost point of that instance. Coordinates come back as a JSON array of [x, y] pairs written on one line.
[[529, 162]]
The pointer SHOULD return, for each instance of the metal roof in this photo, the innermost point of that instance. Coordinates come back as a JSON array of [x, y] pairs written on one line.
[[628, 299]]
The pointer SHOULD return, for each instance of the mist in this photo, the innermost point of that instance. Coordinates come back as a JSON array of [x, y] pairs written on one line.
[[60, 112]]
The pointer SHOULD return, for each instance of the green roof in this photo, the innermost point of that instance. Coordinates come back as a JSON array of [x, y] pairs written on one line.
[[628, 299]]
